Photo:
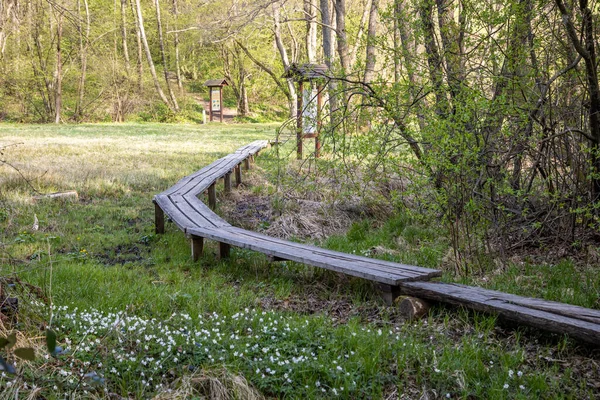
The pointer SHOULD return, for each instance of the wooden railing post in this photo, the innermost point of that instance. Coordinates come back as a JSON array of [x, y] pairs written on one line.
[[159, 219], [389, 293], [238, 175], [227, 183], [224, 250], [247, 163], [197, 243], [212, 196]]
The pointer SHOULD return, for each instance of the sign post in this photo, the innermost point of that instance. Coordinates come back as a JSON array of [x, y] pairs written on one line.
[[215, 87]]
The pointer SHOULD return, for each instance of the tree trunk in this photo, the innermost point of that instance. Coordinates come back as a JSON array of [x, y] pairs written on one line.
[[140, 51], [124, 36], [342, 38], [176, 42], [58, 74], [310, 12], [284, 59], [161, 43], [371, 41], [83, 49], [159, 90]]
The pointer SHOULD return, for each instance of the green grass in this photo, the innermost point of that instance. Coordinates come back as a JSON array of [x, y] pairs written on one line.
[[129, 302]]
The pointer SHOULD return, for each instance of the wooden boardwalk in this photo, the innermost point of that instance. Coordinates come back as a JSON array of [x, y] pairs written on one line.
[[181, 203]]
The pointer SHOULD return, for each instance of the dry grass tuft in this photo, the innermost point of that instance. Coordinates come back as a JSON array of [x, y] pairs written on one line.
[[211, 385]]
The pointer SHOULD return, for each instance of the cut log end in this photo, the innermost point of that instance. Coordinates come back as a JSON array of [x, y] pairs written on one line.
[[412, 308]]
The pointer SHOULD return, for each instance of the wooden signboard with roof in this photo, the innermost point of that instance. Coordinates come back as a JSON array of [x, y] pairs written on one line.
[[215, 88], [309, 115]]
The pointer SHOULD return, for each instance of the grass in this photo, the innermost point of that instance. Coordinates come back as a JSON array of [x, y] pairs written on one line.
[[136, 318]]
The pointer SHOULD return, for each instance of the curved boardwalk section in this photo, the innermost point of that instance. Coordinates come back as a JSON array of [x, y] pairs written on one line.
[[181, 203]]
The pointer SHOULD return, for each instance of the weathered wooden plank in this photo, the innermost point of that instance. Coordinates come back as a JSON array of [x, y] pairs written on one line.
[[226, 162], [175, 214], [198, 212], [511, 307], [159, 219], [291, 251], [366, 262]]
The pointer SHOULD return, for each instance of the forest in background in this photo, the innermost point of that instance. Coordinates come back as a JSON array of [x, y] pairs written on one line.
[[490, 107]]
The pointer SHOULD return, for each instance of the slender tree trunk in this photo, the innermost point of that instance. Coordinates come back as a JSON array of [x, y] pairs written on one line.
[[149, 56], [310, 12], [176, 42], [371, 41], [58, 74], [83, 49], [359, 35], [124, 35], [434, 60], [140, 51], [284, 59], [342, 38], [161, 43]]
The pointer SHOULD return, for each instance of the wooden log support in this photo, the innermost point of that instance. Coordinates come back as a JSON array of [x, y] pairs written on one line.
[[197, 243], [389, 293], [412, 308], [159, 219], [224, 250], [238, 175], [247, 163], [227, 183], [212, 196]]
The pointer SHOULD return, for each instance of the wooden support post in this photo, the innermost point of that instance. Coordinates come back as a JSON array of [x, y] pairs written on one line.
[[197, 243], [299, 128], [319, 123], [210, 100], [247, 163], [224, 250], [227, 183], [221, 103], [159, 219], [212, 196], [238, 175], [389, 293]]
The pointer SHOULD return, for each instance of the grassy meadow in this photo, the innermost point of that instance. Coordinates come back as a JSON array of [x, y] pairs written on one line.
[[136, 318]]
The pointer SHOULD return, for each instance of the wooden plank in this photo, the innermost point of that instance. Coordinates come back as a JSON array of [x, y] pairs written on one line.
[[366, 262], [197, 244], [212, 196], [198, 212], [306, 256], [515, 308], [230, 159], [174, 213], [159, 219]]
